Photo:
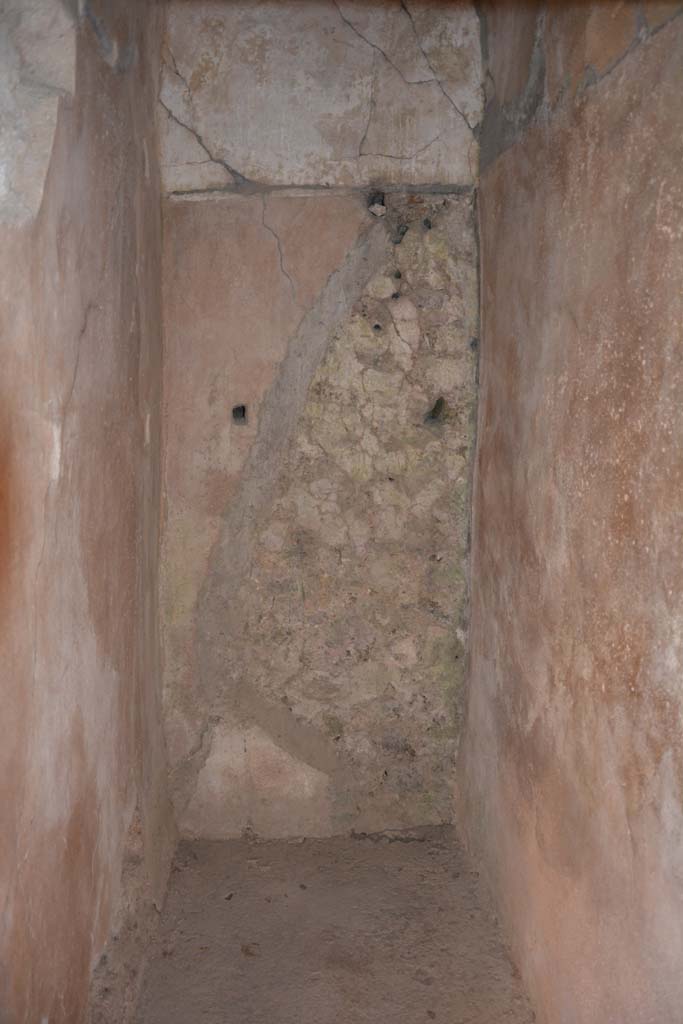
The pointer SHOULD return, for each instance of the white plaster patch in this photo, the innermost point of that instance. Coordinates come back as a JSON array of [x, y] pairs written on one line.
[[37, 65], [55, 451], [249, 782]]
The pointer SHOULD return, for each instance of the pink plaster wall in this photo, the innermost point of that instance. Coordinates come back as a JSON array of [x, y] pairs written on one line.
[[572, 786], [82, 752]]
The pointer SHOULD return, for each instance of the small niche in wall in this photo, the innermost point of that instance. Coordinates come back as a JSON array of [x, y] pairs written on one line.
[[239, 415]]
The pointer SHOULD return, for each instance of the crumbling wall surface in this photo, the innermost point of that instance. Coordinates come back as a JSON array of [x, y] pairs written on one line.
[[314, 553], [329, 622], [85, 820], [573, 750]]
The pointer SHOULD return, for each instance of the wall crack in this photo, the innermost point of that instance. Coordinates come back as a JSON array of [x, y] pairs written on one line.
[[239, 179], [281, 258], [436, 78]]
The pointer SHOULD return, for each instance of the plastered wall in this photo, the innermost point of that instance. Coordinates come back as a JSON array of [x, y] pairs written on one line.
[[319, 92], [572, 780], [314, 563], [85, 835]]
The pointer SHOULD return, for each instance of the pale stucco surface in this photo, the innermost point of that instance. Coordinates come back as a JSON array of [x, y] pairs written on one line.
[[319, 92], [37, 69]]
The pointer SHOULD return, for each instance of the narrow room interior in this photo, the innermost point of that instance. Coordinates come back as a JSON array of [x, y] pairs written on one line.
[[342, 438]]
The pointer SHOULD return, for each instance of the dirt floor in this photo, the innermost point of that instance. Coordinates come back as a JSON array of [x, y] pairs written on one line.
[[386, 928]]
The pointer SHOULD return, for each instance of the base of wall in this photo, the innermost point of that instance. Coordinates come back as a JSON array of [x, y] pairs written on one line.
[[117, 977]]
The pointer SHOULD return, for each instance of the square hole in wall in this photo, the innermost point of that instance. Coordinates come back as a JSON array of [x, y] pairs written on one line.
[[239, 414]]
